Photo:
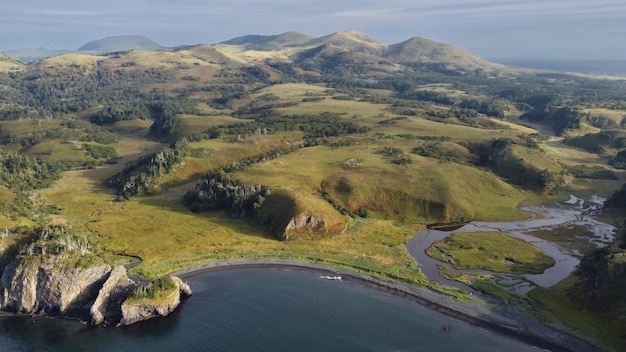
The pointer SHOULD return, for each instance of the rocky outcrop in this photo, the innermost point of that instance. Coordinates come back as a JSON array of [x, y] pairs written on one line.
[[35, 285], [107, 308], [135, 312], [302, 225]]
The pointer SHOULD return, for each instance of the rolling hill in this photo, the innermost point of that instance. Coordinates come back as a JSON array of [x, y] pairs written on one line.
[[8, 63], [269, 42], [120, 43], [421, 51], [350, 40]]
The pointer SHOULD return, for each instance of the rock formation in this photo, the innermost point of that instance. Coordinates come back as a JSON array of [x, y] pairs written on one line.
[[41, 287], [303, 224], [107, 307], [134, 312], [36, 285]]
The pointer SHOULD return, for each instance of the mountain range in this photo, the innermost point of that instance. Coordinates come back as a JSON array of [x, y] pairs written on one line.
[[343, 46]]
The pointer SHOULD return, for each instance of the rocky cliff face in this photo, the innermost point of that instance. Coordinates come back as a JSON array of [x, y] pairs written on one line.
[[303, 225], [33, 287], [132, 313], [44, 286], [107, 308]]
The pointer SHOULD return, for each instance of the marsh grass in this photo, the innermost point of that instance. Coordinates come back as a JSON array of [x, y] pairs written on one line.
[[493, 251], [573, 237]]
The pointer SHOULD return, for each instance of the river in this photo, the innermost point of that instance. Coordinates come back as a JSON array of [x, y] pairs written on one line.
[[571, 213]]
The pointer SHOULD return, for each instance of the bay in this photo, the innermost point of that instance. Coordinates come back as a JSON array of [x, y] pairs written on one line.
[[268, 309]]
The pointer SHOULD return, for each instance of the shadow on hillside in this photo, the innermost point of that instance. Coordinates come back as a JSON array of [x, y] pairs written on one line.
[[174, 204]]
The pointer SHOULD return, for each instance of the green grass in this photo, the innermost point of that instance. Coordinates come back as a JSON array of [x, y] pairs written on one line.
[[158, 291], [156, 227], [572, 237], [493, 251], [558, 309], [494, 290], [535, 159], [392, 191]]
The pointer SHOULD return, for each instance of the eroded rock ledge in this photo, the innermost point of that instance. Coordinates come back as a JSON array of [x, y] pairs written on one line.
[[98, 294]]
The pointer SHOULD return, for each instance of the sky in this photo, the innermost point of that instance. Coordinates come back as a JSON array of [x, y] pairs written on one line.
[[492, 29]]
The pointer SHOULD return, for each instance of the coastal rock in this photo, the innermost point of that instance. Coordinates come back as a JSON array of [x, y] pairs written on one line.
[[36, 285], [144, 310], [106, 309], [41, 286]]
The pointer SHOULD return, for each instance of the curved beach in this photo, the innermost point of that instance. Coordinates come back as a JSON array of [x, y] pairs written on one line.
[[506, 321]]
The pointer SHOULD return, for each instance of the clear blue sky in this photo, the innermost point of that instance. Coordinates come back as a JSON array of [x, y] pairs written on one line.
[[493, 29]]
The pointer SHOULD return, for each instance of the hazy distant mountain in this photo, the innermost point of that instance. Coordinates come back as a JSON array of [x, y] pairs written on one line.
[[32, 54], [351, 40], [345, 52], [270, 42], [206, 53], [121, 43]]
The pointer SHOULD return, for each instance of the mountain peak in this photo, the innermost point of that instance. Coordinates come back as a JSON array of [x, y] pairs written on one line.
[[425, 51], [351, 40], [347, 35], [269, 42], [121, 43]]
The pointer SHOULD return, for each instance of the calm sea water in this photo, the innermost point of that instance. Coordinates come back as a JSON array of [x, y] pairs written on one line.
[[267, 309], [603, 67]]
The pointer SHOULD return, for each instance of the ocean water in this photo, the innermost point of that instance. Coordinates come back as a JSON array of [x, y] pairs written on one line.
[[601, 67], [268, 309]]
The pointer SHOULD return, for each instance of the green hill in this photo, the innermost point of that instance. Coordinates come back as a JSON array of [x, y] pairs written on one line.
[[421, 51], [349, 40], [8, 63], [269, 42]]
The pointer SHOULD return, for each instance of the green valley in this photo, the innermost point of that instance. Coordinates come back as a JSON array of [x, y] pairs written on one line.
[[335, 150]]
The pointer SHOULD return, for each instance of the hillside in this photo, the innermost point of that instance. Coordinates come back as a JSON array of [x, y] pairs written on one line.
[[32, 54], [120, 43], [421, 51], [8, 63], [269, 42], [349, 40]]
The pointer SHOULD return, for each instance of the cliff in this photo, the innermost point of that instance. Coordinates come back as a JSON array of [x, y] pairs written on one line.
[[147, 309], [44, 285], [107, 308]]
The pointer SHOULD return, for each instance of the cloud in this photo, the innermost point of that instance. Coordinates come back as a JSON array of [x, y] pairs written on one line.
[[517, 8], [50, 12], [528, 26]]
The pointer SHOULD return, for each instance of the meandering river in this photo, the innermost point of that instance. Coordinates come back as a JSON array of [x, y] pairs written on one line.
[[541, 218]]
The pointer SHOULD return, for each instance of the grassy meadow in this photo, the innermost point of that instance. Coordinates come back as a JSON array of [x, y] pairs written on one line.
[[399, 198], [493, 251]]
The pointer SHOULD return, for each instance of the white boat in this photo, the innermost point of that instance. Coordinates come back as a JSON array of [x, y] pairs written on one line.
[[330, 277]]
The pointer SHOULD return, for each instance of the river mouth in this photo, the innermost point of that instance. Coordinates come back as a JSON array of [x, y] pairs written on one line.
[[568, 213]]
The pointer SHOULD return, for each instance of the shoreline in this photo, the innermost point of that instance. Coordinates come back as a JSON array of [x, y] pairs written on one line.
[[510, 323]]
